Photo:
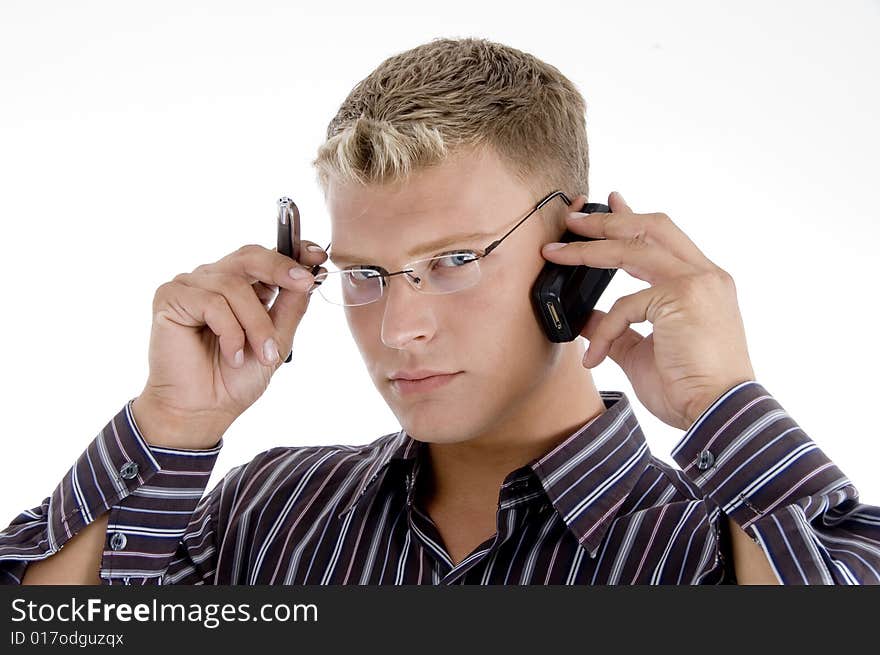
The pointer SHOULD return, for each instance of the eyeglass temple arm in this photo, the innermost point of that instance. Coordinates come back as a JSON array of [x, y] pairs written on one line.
[[495, 243], [316, 267], [543, 202]]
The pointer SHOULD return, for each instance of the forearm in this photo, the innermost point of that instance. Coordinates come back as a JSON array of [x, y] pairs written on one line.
[[77, 563], [750, 563], [117, 516]]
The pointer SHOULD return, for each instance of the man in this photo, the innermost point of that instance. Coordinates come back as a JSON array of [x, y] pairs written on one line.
[[510, 467]]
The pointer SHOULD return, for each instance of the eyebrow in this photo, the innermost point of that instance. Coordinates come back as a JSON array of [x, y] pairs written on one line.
[[430, 246]]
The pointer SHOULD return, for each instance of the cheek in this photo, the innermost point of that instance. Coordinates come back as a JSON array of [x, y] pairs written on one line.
[[363, 323], [500, 311], [508, 291]]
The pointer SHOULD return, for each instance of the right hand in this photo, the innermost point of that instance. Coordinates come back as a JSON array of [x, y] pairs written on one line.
[[195, 389]]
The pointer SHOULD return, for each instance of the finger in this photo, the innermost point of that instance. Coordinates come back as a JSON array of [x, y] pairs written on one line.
[[577, 203], [617, 203], [287, 313], [195, 306], [610, 333], [259, 330], [307, 257], [256, 263], [637, 257], [656, 229]]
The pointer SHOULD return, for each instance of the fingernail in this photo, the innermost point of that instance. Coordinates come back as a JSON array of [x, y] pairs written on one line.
[[315, 249], [239, 357], [298, 273], [554, 246], [577, 215], [270, 350]]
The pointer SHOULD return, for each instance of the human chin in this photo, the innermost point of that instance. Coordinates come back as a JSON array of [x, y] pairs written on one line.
[[435, 424], [428, 402]]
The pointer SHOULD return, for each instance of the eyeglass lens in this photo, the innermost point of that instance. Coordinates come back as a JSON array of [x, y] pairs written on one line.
[[445, 273]]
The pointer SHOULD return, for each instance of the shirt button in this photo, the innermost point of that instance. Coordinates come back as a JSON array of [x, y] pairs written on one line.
[[706, 460], [118, 541], [129, 470]]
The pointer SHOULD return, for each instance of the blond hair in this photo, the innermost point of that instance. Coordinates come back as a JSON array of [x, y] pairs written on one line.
[[422, 105]]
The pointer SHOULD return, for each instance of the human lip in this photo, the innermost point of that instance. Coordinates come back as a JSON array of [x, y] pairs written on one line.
[[405, 386], [417, 374]]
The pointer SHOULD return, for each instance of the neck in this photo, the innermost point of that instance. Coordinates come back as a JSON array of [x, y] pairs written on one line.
[[469, 474]]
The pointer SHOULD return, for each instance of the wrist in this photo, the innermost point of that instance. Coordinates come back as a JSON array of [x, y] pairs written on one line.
[[168, 428], [703, 402]]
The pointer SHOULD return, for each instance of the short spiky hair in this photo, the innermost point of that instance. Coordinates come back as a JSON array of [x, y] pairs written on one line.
[[421, 105]]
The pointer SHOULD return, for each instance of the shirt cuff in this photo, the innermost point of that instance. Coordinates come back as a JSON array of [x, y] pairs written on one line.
[[150, 492], [749, 456]]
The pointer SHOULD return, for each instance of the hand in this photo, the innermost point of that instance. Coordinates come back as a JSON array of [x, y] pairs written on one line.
[[697, 350], [196, 386]]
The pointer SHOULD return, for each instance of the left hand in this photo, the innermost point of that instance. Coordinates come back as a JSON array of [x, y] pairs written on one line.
[[697, 350]]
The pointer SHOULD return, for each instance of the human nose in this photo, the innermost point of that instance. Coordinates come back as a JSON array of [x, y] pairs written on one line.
[[406, 314]]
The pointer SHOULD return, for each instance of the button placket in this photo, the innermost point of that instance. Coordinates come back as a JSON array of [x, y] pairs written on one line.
[[409, 488]]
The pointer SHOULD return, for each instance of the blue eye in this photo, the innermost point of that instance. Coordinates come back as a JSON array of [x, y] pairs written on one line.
[[456, 259], [359, 274]]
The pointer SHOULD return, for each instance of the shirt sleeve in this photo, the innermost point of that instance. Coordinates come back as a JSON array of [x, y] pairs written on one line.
[[750, 457], [154, 496]]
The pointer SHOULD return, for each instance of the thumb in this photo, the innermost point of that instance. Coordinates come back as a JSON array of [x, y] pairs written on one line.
[[286, 314]]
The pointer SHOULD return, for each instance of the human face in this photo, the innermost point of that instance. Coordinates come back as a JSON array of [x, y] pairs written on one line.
[[488, 334]]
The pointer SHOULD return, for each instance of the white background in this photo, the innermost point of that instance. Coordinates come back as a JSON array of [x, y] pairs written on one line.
[[138, 141]]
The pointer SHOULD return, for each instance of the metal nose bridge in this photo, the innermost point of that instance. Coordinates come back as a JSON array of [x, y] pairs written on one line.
[[413, 280]]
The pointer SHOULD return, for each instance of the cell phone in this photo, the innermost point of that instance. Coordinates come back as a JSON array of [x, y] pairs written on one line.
[[563, 295], [288, 228], [288, 235]]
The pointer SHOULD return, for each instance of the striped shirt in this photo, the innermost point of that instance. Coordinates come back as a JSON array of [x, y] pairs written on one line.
[[596, 509]]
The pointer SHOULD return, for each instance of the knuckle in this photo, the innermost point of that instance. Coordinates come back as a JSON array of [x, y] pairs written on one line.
[[661, 217], [617, 306], [160, 294], [250, 249], [725, 278], [163, 288], [638, 241]]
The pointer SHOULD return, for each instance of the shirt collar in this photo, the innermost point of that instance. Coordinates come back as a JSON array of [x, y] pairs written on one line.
[[399, 447], [587, 477]]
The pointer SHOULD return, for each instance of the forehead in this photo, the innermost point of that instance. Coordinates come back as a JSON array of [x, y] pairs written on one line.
[[466, 193]]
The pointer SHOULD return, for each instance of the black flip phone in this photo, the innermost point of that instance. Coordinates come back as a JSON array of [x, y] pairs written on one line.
[[563, 295]]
